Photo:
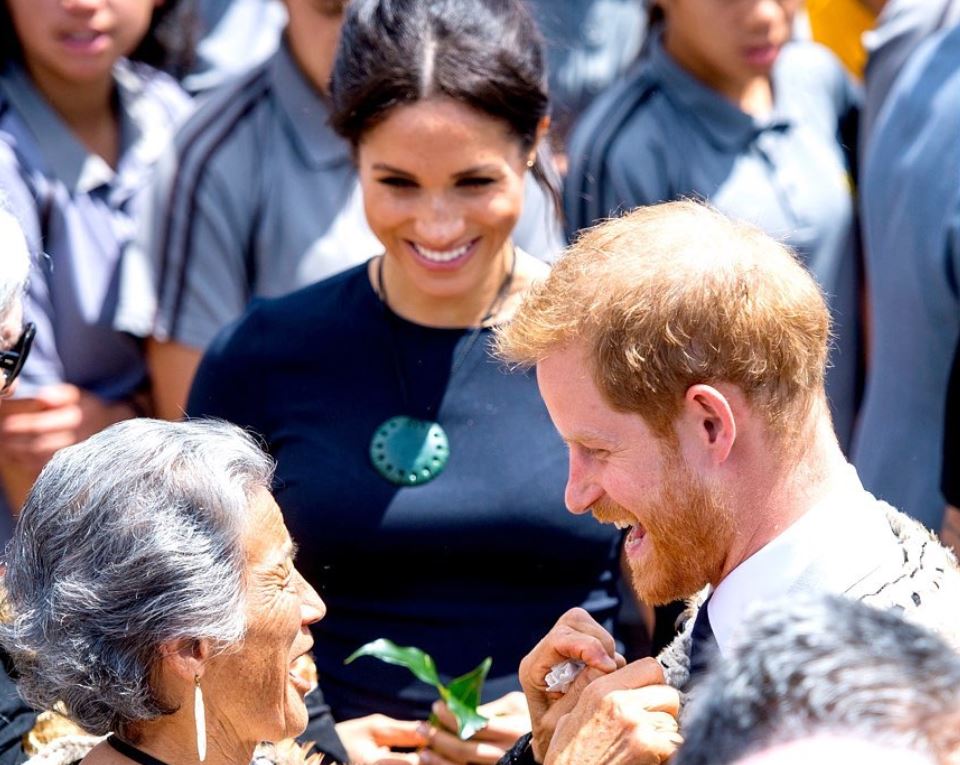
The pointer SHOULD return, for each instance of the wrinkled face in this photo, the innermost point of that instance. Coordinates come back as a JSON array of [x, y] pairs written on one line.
[[254, 690], [78, 41], [679, 529], [443, 188], [727, 41]]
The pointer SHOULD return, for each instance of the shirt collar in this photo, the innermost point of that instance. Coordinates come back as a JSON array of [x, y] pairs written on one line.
[[814, 554], [307, 112], [727, 125], [142, 135]]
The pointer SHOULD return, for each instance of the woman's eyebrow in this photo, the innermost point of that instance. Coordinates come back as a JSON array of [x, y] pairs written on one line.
[[476, 170], [391, 169]]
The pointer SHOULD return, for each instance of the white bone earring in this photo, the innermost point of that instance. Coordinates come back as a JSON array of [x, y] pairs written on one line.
[[200, 719]]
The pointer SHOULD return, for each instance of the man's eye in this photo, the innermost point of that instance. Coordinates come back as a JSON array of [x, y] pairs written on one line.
[[397, 182]]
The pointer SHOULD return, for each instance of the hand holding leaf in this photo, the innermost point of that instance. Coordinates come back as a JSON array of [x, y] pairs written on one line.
[[461, 695]]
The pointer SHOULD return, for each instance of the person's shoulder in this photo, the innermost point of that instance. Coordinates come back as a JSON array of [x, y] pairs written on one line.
[[221, 115], [810, 68], [155, 88]]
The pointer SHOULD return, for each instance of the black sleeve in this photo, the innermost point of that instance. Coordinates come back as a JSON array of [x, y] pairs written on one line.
[[520, 754], [320, 730], [950, 475]]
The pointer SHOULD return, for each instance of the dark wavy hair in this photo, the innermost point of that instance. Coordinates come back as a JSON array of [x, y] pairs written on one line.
[[168, 44], [487, 54]]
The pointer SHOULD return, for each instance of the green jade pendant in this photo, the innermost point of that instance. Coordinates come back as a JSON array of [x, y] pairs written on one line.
[[409, 452]]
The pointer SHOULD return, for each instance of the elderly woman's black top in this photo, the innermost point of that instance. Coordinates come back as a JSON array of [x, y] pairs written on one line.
[[479, 562]]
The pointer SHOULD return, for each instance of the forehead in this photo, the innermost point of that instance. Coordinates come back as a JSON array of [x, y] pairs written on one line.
[[438, 131], [578, 408], [265, 537]]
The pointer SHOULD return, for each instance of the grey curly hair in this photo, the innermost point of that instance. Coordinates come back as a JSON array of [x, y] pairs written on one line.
[[128, 540]]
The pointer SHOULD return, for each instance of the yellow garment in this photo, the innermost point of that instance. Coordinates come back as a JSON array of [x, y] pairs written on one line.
[[839, 24]]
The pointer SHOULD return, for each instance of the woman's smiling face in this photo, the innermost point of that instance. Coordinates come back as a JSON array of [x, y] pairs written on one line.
[[253, 689], [443, 188]]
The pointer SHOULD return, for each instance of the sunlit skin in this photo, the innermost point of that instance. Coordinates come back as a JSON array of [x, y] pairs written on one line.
[[623, 473], [250, 692], [438, 178], [730, 45]]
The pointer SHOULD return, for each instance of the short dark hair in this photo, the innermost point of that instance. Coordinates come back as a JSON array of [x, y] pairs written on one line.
[[822, 666], [168, 44], [487, 54]]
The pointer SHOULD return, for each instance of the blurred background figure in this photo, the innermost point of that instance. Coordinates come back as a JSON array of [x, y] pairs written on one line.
[[83, 118], [839, 25], [826, 667], [724, 107], [901, 26], [445, 109], [910, 204]]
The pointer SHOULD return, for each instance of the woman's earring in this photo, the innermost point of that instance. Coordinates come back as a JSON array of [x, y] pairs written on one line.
[[200, 718], [531, 162]]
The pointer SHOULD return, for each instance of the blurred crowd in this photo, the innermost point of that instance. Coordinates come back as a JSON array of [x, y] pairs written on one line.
[[312, 218]]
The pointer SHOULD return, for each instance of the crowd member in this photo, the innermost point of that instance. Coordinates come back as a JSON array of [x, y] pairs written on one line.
[[826, 666], [910, 224], [839, 25], [726, 109], [682, 358], [170, 528], [590, 45], [235, 36], [259, 197], [83, 117], [396, 433], [901, 26], [15, 340]]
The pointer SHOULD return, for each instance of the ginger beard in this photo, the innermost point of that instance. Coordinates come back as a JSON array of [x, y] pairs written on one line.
[[688, 532]]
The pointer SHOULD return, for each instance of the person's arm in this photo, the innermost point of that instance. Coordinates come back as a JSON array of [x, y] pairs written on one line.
[[172, 368], [950, 471]]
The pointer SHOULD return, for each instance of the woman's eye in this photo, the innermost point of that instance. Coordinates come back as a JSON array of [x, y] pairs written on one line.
[[475, 183], [397, 182]]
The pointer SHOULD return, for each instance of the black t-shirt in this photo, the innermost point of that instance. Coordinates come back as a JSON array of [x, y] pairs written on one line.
[[479, 562]]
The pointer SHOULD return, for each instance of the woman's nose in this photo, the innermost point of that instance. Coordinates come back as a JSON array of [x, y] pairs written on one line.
[[441, 223], [312, 608]]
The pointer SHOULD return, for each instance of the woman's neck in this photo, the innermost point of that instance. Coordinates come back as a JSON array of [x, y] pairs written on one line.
[[88, 111], [172, 740], [452, 311]]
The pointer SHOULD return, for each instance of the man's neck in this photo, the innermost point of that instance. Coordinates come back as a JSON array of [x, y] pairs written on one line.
[[785, 490]]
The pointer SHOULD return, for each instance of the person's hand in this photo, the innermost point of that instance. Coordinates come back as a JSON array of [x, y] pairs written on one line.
[[575, 636], [625, 718], [32, 429], [371, 740], [508, 720]]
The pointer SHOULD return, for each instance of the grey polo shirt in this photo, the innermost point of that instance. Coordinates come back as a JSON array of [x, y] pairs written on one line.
[[662, 135], [259, 197], [911, 222], [900, 28], [82, 215]]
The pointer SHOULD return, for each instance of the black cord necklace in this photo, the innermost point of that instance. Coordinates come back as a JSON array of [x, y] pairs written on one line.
[[409, 451], [132, 753]]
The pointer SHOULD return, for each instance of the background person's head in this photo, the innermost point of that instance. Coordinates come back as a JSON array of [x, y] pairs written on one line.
[[76, 40], [661, 340], [445, 104], [150, 557], [725, 43], [14, 266], [826, 666], [312, 32]]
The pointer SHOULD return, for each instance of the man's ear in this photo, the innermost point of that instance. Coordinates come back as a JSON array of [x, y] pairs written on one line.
[[708, 422], [185, 658]]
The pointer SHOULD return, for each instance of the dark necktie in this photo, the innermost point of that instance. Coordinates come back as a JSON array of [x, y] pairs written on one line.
[[703, 644]]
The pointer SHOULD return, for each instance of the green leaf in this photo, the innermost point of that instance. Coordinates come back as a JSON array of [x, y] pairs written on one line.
[[419, 663], [467, 687], [469, 720]]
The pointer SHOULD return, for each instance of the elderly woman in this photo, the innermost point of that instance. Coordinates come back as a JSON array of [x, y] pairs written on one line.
[[152, 593]]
